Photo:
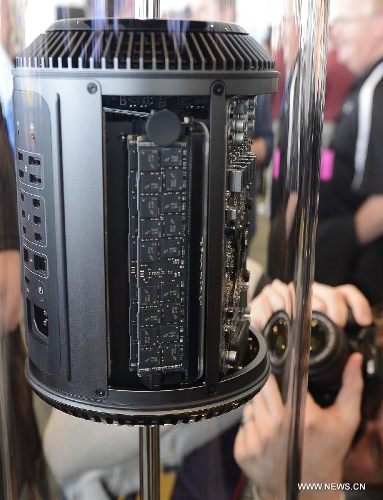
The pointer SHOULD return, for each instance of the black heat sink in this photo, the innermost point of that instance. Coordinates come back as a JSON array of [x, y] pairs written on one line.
[[149, 45]]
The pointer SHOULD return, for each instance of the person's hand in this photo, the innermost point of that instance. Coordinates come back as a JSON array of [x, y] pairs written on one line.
[[335, 302], [328, 432], [364, 461], [10, 290], [260, 444], [274, 297]]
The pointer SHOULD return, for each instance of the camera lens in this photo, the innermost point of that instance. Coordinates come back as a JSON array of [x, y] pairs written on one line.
[[278, 338], [276, 333], [318, 337], [326, 339], [329, 350]]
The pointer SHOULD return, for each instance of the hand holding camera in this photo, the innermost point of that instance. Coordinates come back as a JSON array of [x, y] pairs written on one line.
[[328, 431], [330, 348]]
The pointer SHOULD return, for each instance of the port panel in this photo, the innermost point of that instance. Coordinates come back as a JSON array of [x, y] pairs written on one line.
[[36, 203], [33, 218]]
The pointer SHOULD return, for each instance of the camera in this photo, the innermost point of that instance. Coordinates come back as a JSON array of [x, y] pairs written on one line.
[[330, 347]]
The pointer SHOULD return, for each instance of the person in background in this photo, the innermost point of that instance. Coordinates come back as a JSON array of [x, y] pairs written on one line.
[[349, 241], [6, 65], [22, 473], [338, 82], [10, 275], [262, 147], [350, 230]]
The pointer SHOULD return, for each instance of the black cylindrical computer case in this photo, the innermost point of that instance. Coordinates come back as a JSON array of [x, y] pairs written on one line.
[[133, 162]]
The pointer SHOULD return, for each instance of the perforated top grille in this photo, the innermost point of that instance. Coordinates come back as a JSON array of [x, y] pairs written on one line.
[[194, 46]]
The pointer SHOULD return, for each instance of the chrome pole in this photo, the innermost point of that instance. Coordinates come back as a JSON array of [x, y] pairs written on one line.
[[149, 434], [147, 9], [150, 462], [307, 100]]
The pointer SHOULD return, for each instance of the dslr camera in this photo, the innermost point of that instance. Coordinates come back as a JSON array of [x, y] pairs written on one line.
[[330, 347]]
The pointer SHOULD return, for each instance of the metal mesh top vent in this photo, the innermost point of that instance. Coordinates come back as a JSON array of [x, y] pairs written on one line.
[[149, 45]]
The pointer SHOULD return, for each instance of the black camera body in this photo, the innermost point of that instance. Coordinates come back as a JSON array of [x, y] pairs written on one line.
[[330, 347]]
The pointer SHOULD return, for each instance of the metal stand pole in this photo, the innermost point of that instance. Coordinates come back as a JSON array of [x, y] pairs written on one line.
[[147, 9], [150, 462]]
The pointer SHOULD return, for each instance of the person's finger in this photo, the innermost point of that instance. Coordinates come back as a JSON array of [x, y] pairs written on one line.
[[257, 414], [273, 298], [358, 304], [273, 400], [318, 304], [260, 312], [349, 398], [277, 295], [336, 301], [268, 415], [311, 411], [261, 424], [333, 303], [246, 443], [286, 292]]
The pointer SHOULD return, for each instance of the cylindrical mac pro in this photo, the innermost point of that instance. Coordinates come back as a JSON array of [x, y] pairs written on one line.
[[134, 163]]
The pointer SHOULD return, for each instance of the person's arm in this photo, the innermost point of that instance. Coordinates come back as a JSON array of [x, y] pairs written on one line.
[[263, 137], [368, 220], [10, 290], [259, 148], [10, 266], [368, 179], [328, 433]]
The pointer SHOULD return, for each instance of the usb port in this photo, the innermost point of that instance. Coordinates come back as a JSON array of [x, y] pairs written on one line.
[[40, 263], [34, 179], [20, 156], [38, 237], [36, 202], [32, 160], [37, 220]]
